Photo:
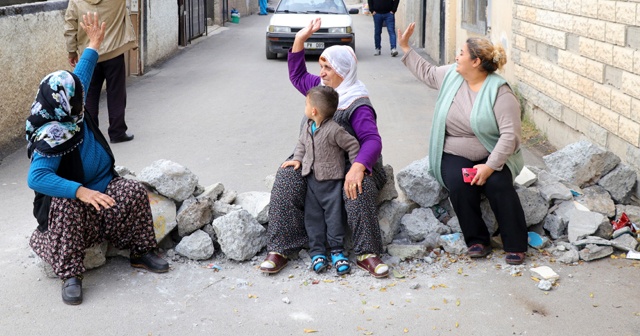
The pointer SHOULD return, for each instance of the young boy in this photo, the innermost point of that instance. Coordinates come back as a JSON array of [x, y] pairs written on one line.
[[321, 152]]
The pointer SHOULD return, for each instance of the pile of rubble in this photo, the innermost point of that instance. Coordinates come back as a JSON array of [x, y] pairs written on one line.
[[569, 209]]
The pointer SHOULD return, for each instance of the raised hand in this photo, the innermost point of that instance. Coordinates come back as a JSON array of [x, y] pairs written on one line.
[[94, 28], [305, 33], [403, 38]]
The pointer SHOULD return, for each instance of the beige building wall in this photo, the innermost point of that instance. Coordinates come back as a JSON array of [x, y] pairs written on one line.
[[578, 67], [32, 46]]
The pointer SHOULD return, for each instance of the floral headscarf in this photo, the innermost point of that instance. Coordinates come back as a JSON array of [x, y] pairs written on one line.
[[343, 60], [54, 127]]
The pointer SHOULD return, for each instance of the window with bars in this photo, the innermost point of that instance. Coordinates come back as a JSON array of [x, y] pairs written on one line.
[[474, 16]]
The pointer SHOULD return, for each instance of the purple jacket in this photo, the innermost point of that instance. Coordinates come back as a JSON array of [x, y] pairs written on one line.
[[362, 120]]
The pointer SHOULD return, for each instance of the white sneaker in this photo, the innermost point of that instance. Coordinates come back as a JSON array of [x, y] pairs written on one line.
[[377, 52], [394, 52]]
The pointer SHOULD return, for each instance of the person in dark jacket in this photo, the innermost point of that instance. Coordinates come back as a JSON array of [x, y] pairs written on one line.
[[384, 13], [80, 200], [321, 152]]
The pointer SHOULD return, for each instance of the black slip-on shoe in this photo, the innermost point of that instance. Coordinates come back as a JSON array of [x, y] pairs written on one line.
[[151, 262], [72, 291], [126, 137]]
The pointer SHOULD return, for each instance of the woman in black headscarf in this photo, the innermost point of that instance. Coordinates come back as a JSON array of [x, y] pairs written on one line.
[[80, 199]]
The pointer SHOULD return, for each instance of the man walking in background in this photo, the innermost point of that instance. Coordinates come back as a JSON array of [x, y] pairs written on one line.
[[120, 37], [383, 12]]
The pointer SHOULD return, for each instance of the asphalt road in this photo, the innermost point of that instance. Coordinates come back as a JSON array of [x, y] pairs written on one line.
[[231, 116]]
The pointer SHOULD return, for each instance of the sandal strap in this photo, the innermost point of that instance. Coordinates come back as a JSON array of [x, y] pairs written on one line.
[[318, 258]]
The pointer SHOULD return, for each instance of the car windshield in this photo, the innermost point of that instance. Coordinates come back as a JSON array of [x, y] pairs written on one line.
[[312, 7]]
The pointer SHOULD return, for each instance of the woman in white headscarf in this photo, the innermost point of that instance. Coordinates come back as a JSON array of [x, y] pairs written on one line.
[[338, 69]]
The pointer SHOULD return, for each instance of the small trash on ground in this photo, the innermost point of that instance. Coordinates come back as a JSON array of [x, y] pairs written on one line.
[[633, 255], [537, 241], [622, 222], [214, 267], [544, 273]]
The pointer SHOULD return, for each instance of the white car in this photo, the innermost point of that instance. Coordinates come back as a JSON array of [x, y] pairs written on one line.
[[292, 15]]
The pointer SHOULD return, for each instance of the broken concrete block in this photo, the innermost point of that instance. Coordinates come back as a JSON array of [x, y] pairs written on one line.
[[256, 203], [169, 179], [544, 273], [581, 163], [418, 185], [388, 191], [196, 246], [593, 252], [526, 177]]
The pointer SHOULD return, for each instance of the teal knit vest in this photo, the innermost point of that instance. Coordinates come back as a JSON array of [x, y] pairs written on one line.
[[483, 121]]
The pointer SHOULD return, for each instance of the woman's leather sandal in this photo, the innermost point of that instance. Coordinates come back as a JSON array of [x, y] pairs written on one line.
[[274, 259], [371, 264], [514, 258]]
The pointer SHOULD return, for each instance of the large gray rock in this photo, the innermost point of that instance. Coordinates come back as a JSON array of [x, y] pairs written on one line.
[[240, 235], [569, 257], [564, 209], [593, 252], [169, 179], [196, 246], [420, 222], [256, 203], [586, 223], [163, 211], [194, 214], [581, 163], [388, 191], [555, 191], [625, 242], [416, 183], [555, 225], [533, 204], [619, 182], [597, 199], [389, 215]]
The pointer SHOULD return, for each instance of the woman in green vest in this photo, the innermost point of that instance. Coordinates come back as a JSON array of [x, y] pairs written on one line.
[[476, 124]]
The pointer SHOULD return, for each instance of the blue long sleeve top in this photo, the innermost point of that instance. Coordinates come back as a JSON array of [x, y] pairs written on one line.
[[95, 159]]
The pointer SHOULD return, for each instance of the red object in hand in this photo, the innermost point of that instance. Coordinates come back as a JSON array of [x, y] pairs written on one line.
[[622, 222], [468, 174]]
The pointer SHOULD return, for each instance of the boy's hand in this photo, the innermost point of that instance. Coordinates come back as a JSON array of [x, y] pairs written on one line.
[[293, 163]]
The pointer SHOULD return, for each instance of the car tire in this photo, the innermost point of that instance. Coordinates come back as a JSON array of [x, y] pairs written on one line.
[[269, 54]]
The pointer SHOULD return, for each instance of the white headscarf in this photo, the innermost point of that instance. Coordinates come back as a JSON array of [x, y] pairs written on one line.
[[343, 60]]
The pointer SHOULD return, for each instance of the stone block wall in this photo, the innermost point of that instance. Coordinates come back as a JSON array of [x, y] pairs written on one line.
[[577, 65]]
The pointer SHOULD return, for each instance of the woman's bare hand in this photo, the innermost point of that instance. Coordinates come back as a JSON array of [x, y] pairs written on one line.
[[482, 175], [305, 33], [293, 163], [403, 38], [97, 199], [94, 29], [353, 180]]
